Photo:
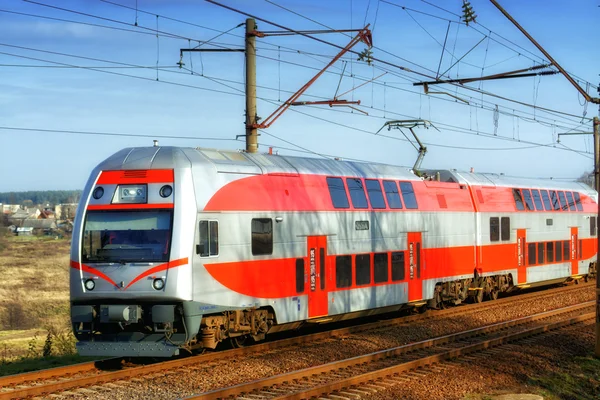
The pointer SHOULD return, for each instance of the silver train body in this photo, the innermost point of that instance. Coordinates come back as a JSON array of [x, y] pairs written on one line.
[[182, 248]]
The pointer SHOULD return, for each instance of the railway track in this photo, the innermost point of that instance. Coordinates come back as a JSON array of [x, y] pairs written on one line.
[[346, 379], [94, 373]]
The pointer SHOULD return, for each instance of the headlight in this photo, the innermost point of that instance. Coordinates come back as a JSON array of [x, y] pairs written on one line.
[[158, 284], [166, 191], [98, 192], [90, 284]]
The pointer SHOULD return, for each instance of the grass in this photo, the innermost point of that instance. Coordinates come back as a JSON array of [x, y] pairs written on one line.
[[34, 301], [581, 381], [35, 364]]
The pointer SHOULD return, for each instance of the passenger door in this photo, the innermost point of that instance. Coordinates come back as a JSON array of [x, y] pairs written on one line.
[[415, 282], [317, 282], [574, 251], [521, 259]]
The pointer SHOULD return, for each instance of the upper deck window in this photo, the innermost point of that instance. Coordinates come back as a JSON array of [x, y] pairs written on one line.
[[546, 200], [518, 199], [337, 191], [537, 199], [392, 194], [375, 194], [408, 193], [528, 200], [357, 193], [571, 201], [563, 200], [126, 236], [578, 201], [555, 202]]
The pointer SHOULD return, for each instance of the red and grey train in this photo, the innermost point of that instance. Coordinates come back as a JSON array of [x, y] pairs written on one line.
[[182, 248]]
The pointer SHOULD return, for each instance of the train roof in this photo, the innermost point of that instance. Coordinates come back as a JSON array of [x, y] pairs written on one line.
[[225, 161]]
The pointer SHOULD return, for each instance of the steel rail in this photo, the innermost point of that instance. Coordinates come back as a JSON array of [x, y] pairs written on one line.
[[268, 383], [62, 372]]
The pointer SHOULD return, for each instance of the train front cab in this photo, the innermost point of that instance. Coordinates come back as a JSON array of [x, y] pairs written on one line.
[[130, 275]]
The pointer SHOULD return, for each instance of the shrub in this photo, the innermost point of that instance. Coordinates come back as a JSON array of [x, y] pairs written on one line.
[[12, 313]]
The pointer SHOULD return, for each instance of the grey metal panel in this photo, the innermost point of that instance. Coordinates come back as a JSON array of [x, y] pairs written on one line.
[[145, 158], [487, 179], [548, 272], [368, 297], [126, 349]]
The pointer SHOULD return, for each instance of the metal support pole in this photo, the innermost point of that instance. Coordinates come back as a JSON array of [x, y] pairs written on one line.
[[597, 182], [251, 131]]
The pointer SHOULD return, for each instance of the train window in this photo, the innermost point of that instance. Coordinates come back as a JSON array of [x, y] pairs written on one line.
[[343, 271], [537, 199], [494, 229], [209, 239], [531, 253], [505, 228], [566, 250], [299, 275], [580, 254], [563, 200], [555, 202], [578, 201], [540, 253], [202, 248], [558, 253], [528, 200], [363, 269], [546, 200], [337, 191], [392, 194], [408, 193], [357, 193], [262, 236], [550, 252], [571, 201], [375, 194], [398, 266], [380, 267], [322, 267], [593, 226], [518, 199]]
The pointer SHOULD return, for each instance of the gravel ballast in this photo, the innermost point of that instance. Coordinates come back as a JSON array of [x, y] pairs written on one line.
[[497, 375]]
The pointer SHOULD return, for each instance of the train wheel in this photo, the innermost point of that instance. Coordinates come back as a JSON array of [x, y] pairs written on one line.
[[240, 341], [479, 296], [494, 294]]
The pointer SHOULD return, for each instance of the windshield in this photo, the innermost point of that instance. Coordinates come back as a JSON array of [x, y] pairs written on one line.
[[126, 236]]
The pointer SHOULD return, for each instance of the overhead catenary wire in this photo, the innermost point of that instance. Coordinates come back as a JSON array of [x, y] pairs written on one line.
[[287, 9], [450, 127], [131, 65], [135, 76]]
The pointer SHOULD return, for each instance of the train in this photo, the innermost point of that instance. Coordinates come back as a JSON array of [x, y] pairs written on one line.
[[180, 249]]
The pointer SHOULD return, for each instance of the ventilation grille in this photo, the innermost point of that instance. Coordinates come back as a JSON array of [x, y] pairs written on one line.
[[134, 174]]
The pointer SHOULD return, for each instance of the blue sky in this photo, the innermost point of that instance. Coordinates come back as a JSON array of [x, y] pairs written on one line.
[[43, 90]]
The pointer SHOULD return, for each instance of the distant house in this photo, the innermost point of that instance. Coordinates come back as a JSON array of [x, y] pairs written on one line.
[[23, 231], [65, 211], [45, 225], [46, 214], [17, 217]]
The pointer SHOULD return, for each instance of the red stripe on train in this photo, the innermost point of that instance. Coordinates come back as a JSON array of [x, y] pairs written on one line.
[[128, 206], [276, 278], [158, 268], [136, 176]]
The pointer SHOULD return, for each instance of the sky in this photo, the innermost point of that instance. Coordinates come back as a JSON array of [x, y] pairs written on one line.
[[82, 79]]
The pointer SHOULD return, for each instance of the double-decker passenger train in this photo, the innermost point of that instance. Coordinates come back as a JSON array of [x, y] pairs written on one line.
[[183, 248]]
